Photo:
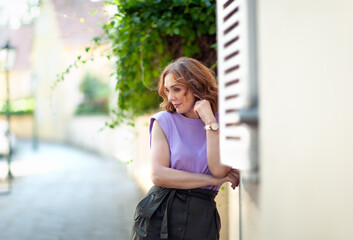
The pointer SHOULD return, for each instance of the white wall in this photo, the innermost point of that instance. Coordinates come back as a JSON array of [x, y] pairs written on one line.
[[85, 132], [306, 119]]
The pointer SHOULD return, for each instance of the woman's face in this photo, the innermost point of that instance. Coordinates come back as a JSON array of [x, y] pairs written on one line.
[[184, 104]]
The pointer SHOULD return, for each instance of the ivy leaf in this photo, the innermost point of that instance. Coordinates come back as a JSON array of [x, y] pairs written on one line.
[[207, 3], [167, 23], [97, 40], [137, 20], [176, 31], [93, 12], [212, 30]]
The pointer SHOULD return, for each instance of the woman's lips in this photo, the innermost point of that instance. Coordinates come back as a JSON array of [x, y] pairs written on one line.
[[176, 105]]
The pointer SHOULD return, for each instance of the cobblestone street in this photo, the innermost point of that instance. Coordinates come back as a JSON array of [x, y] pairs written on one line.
[[63, 193]]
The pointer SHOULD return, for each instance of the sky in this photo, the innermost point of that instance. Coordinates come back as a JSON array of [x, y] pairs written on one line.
[[14, 13]]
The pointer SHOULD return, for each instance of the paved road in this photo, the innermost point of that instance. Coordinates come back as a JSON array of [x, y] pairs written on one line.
[[62, 193]]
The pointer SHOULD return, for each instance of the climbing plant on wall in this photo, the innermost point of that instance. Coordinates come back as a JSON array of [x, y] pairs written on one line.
[[144, 36]]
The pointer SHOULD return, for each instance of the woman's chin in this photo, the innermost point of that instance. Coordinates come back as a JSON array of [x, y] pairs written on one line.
[[178, 111]]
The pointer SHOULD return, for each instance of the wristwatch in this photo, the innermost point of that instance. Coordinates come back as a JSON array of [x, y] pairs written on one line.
[[213, 126]]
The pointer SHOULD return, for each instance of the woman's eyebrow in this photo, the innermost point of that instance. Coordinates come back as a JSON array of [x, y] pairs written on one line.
[[175, 85]]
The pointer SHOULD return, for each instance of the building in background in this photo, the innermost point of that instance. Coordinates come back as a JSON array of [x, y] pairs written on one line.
[[62, 32], [20, 79]]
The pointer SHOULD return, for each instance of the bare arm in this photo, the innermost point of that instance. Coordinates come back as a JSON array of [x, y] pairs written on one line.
[[164, 176], [218, 170]]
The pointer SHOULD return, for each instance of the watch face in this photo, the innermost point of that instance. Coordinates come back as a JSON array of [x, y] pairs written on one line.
[[214, 126]]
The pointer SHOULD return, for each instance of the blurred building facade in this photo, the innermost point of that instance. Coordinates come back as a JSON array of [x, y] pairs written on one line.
[[20, 76], [62, 31], [46, 48]]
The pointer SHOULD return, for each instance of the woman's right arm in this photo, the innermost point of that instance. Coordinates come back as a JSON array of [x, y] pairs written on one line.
[[164, 176]]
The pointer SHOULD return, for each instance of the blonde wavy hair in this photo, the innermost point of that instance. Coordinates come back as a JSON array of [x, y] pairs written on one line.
[[193, 75]]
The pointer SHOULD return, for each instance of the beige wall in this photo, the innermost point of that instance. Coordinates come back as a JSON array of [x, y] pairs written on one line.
[[305, 56], [140, 168], [51, 56], [21, 125], [233, 214], [223, 206], [244, 211], [306, 112], [20, 84], [45, 66], [89, 132]]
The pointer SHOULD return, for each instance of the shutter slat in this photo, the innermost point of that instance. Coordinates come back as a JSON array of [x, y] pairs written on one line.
[[231, 118], [232, 34], [238, 103], [230, 7]]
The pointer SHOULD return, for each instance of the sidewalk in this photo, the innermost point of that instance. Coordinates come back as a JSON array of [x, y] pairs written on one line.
[[62, 193]]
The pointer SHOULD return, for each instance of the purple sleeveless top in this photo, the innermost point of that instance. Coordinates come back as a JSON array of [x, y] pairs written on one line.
[[187, 142]]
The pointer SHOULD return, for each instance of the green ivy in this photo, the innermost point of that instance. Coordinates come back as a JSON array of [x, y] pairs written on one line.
[[95, 94], [144, 36], [18, 106]]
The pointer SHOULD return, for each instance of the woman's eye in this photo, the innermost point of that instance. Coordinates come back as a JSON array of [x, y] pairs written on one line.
[[177, 89], [167, 90]]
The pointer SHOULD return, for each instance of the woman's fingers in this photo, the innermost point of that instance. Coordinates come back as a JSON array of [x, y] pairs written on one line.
[[234, 177], [203, 109], [235, 173]]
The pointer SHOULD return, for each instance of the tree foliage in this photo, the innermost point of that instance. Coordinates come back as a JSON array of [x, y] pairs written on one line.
[[95, 95], [145, 35]]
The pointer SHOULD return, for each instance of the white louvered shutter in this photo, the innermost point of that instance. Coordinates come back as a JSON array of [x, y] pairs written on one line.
[[237, 83]]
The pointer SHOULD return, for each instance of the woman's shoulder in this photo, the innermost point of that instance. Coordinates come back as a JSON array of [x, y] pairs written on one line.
[[164, 119], [162, 115]]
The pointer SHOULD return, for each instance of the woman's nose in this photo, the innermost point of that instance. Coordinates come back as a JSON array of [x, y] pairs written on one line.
[[171, 97]]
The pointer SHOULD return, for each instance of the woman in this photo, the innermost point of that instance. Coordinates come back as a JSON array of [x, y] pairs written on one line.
[[185, 165]]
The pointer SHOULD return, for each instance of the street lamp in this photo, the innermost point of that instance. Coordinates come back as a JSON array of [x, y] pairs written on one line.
[[7, 61]]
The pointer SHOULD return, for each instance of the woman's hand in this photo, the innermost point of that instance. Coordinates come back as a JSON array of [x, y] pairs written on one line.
[[232, 177], [203, 110]]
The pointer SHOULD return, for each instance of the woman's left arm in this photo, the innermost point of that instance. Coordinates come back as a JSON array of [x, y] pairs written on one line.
[[203, 109]]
